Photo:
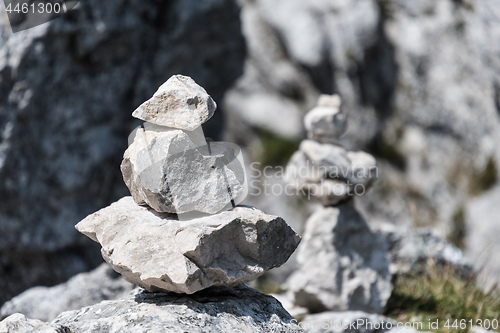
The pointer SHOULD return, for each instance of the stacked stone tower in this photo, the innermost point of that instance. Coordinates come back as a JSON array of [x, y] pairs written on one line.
[[181, 230], [342, 263]]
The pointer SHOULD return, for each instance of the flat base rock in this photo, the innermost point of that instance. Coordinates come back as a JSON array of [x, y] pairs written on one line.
[[239, 309], [160, 253]]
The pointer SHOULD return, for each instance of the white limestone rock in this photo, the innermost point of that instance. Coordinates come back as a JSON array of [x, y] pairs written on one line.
[[216, 310], [343, 264], [326, 122], [166, 170], [178, 103], [158, 252]]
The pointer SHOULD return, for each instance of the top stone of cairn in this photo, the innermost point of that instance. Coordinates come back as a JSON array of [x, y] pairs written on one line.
[[326, 122], [180, 103]]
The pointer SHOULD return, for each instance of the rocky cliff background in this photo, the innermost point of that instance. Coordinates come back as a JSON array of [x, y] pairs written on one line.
[[420, 82]]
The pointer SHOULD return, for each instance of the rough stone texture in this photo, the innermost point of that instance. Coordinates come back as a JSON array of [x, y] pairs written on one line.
[[84, 289], [157, 252], [166, 170], [347, 321], [180, 103], [343, 264], [67, 89], [240, 309], [408, 248], [326, 122], [409, 102], [483, 227], [18, 323], [330, 173]]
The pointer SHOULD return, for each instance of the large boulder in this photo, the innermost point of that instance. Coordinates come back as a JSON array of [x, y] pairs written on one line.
[[159, 252], [214, 310], [239, 309], [67, 89], [343, 264]]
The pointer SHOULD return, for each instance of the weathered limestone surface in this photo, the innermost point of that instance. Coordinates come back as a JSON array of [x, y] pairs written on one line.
[[214, 310]]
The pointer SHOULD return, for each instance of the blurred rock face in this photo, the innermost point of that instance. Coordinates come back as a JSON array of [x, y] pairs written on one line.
[[66, 92], [419, 83]]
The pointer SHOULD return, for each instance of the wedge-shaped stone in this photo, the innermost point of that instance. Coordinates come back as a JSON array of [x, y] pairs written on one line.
[[158, 252], [178, 103], [166, 170]]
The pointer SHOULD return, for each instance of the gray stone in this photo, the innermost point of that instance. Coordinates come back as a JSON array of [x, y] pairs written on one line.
[[178, 103], [330, 173], [166, 170], [67, 89], [409, 248], [326, 122], [215, 310], [84, 289], [158, 252], [352, 322], [18, 323], [343, 264]]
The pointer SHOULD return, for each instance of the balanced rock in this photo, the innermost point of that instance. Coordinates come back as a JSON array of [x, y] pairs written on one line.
[[166, 170], [158, 252], [326, 122], [343, 264], [178, 103], [330, 173]]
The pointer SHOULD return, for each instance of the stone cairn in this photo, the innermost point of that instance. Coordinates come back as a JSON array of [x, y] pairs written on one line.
[[181, 231], [342, 263]]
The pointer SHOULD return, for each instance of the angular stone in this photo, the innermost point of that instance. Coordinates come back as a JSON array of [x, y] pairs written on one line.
[[178, 103], [343, 264], [84, 289], [166, 170], [330, 173], [326, 122], [158, 252], [215, 310]]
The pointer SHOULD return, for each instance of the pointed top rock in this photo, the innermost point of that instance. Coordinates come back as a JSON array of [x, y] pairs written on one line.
[[326, 122], [180, 103]]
